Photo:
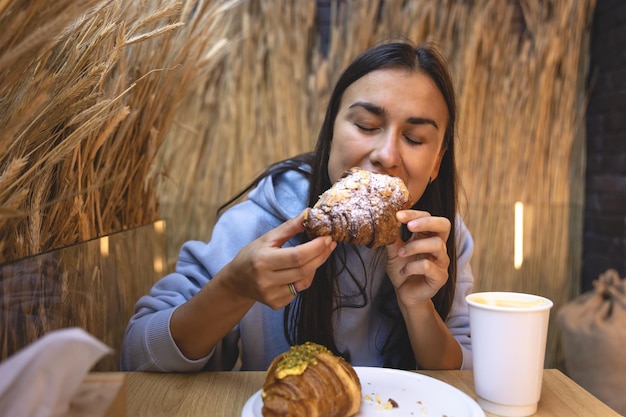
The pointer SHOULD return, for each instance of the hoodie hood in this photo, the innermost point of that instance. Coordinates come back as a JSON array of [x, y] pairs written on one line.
[[282, 195]]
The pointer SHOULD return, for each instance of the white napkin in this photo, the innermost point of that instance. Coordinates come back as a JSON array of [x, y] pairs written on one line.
[[41, 379]]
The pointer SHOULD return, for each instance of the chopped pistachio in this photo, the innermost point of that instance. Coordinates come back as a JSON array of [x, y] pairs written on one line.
[[298, 358]]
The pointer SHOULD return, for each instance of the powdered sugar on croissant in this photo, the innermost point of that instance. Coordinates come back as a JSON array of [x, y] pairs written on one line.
[[360, 208]]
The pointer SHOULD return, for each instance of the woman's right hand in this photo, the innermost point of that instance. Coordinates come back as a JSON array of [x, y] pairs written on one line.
[[263, 269]]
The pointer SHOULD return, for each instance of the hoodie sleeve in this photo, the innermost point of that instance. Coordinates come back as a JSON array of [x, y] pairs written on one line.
[[458, 319], [148, 344]]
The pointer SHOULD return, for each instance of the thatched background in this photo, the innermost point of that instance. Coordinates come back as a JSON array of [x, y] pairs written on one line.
[[89, 103], [89, 91], [520, 69]]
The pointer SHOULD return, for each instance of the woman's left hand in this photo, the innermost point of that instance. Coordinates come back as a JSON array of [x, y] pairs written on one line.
[[418, 268]]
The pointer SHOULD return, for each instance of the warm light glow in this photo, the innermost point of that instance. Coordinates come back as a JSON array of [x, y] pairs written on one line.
[[158, 264], [518, 250], [159, 226], [104, 246]]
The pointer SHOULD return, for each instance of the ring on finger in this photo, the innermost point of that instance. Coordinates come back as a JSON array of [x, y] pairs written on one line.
[[292, 289]]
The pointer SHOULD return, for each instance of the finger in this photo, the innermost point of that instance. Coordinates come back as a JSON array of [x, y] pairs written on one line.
[[394, 249], [280, 235], [433, 246], [429, 223], [405, 216], [293, 290], [429, 226], [314, 252], [427, 269], [302, 276], [281, 296]]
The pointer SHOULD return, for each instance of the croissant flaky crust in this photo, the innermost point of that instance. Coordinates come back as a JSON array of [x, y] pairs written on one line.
[[360, 208], [309, 381]]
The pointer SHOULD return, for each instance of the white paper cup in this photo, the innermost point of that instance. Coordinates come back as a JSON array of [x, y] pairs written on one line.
[[508, 333]]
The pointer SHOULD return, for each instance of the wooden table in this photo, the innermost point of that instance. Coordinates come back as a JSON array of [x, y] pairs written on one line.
[[224, 394]]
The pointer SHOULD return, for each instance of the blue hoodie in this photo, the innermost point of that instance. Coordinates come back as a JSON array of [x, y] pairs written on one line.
[[258, 338]]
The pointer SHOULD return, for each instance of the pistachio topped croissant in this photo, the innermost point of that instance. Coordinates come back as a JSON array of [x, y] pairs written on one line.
[[360, 208], [310, 381]]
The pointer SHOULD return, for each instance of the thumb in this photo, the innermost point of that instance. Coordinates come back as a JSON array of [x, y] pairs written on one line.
[[281, 234], [393, 248]]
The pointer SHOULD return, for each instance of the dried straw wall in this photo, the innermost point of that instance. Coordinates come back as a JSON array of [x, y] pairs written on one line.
[[115, 114], [520, 70], [89, 91]]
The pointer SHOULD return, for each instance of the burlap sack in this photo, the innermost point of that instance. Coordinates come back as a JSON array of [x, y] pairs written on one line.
[[593, 330]]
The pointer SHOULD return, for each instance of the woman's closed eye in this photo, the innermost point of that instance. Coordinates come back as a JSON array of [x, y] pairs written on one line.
[[366, 128], [413, 141]]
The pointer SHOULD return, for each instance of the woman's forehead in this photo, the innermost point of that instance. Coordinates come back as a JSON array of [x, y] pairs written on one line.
[[400, 90]]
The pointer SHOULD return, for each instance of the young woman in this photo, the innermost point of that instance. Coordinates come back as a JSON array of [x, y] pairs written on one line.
[[392, 111]]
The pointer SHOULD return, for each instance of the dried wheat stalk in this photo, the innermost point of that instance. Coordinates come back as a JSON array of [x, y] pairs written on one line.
[[90, 90]]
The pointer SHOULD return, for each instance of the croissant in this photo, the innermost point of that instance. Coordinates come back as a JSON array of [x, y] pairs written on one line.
[[360, 208], [310, 381]]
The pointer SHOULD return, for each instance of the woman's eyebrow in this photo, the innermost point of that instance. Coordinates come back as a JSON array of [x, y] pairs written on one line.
[[380, 111], [372, 108], [422, 121]]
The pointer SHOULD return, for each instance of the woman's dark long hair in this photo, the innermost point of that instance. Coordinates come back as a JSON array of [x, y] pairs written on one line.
[[310, 316]]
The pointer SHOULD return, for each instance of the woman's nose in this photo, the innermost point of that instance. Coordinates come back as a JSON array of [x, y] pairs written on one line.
[[386, 153]]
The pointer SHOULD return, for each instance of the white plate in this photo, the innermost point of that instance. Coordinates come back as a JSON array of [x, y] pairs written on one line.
[[415, 394]]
